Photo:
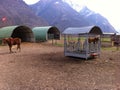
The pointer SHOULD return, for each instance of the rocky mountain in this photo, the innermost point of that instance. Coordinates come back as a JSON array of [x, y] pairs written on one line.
[[97, 19], [61, 14], [16, 12]]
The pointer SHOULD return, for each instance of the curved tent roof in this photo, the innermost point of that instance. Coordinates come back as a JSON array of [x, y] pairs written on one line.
[[83, 30], [6, 31], [45, 33], [23, 32]]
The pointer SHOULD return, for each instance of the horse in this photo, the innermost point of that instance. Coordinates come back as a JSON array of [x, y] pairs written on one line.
[[12, 41], [94, 40]]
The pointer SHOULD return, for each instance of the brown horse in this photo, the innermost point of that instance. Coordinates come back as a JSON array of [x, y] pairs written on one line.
[[94, 40], [11, 42]]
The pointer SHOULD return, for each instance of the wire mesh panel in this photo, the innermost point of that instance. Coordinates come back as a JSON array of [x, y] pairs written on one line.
[[83, 44]]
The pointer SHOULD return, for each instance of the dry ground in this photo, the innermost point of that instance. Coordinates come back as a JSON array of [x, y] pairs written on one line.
[[44, 67]]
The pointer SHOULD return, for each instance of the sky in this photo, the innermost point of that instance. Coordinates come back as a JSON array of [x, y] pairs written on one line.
[[31, 1], [107, 8]]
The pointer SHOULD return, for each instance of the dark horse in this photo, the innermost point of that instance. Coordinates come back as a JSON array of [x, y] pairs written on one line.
[[94, 40], [11, 42]]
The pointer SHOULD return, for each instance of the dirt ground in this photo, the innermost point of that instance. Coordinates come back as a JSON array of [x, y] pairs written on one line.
[[41, 66]]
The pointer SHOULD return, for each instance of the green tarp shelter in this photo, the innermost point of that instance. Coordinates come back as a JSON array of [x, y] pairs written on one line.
[[46, 33], [23, 32]]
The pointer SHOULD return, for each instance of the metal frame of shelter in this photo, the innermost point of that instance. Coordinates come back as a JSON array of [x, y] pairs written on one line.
[[76, 42]]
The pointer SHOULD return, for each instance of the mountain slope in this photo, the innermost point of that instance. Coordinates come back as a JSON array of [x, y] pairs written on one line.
[[59, 13], [16, 12], [97, 19]]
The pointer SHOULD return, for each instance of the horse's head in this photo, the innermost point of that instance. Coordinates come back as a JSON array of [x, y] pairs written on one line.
[[96, 39], [4, 41]]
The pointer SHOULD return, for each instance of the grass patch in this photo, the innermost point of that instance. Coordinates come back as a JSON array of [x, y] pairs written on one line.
[[59, 44], [109, 48]]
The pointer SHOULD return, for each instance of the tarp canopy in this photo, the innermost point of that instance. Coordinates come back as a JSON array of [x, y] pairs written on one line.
[[46, 33], [23, 32], [83, 30]]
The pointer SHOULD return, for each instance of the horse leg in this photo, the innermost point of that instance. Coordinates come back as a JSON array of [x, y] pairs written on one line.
[[10, 48], [18, 47]]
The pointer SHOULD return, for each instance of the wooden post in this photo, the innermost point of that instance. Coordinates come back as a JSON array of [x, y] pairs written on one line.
[[52, 42], [117, 47]]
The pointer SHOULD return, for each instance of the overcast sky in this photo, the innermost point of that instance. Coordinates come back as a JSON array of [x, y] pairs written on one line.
[[31, 1], [107, 8]]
